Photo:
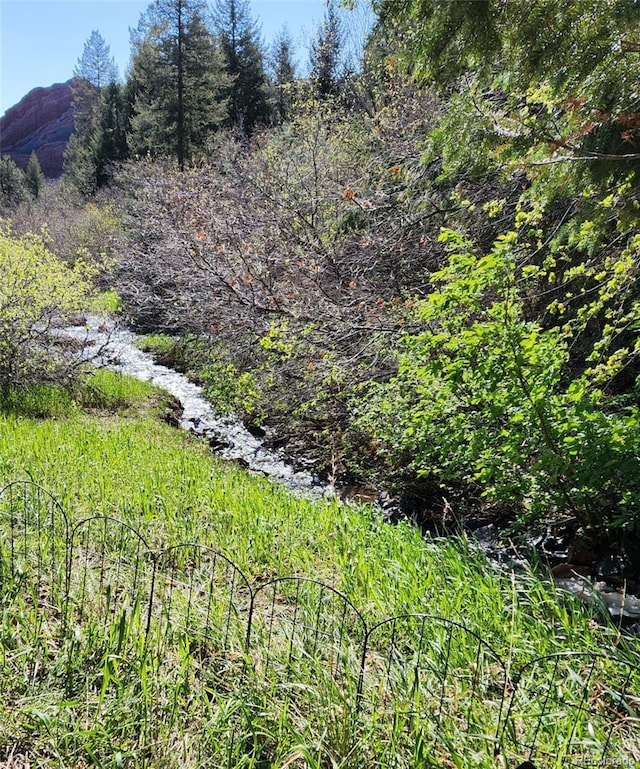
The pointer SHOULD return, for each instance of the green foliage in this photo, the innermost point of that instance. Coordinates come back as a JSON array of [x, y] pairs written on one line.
[[106, 303], [96, 65], [229, 390], [13, 188], [99, 118], [487, 395], [445, 40], [100, 390], [108, 142], [533, 83], [176, 81], [325, 61], [240, 40], [92, 153], [33, 176], [37, 401], [114, 392], [78, 166], [283, 73], [95, 232], [38, 293], [160, 345]]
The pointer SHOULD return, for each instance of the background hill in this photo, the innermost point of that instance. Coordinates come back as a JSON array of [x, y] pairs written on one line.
[[41, 122]]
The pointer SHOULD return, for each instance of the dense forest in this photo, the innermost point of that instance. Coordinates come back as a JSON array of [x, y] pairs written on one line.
[[413, 265]]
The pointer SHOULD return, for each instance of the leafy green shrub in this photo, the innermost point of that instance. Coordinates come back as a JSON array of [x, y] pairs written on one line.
[[158, 344], [229, 390], [38, 295], [106, 302], [487, 396]]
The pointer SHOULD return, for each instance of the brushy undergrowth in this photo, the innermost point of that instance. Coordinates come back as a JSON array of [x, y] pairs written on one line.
[[94, 680]]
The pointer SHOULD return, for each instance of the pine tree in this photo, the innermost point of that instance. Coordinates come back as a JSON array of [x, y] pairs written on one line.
[[13, 188], [109, 140], [283, 72], [33, 176], [176, 81], [558, 77], [96, 64], [325, 55], [240, 40], [78, 167], [94, 71]]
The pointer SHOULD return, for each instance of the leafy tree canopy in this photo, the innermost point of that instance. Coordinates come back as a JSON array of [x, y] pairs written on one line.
[[552, 82]]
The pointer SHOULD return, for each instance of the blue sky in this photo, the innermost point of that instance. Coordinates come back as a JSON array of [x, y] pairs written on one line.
[[42, 40]]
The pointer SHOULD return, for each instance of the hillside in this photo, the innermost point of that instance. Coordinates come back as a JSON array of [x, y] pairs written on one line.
[[41, 122]]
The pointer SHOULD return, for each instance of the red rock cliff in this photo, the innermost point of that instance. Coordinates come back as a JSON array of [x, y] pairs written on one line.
[[42, 122]]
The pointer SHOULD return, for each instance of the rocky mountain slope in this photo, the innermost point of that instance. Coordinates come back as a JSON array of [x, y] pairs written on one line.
[[42, 122]]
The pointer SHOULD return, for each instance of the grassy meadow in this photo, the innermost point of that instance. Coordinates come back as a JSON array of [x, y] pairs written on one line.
[[91, 676]]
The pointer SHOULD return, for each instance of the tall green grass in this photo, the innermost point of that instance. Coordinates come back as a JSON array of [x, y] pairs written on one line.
[[85, 687]]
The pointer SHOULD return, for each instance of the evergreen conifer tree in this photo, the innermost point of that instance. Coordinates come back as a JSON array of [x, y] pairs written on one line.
[[13, 188], [558, 78], [240, 40], [109, 140], [94, 71], [325, 55], [33, 176], [283, 72], [96, 64], [176, 81]]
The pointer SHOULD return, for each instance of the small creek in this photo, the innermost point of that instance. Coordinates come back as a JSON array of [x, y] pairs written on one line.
[[115, 347]]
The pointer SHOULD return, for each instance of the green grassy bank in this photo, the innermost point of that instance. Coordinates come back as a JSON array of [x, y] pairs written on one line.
[[103, 683]]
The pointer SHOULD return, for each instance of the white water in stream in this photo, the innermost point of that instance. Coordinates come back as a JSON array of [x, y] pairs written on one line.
[[116, 348]]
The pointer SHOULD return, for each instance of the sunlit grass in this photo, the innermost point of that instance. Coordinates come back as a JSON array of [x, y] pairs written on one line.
[[114, 392], [87, 687]]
